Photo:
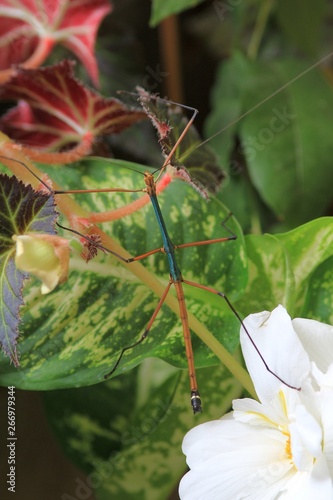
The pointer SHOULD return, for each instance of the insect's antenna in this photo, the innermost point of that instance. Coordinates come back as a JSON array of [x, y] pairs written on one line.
[[29, 170], [133, 170], [260, 103], [75, 191], [91, 241], [103, 190], [161, 99]]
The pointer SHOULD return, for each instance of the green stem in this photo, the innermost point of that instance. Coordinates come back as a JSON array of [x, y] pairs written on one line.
[[259, 29], [253, 203]]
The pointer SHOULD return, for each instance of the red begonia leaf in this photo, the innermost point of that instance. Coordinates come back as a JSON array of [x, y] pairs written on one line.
[[30, 28], [57, 111]]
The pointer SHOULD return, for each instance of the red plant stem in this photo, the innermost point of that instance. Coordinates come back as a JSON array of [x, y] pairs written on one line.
[[76, 215], [81, 150], [43, 49], [119, 213]]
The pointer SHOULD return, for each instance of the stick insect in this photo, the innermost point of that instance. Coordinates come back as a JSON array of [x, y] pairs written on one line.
[[176, 278]]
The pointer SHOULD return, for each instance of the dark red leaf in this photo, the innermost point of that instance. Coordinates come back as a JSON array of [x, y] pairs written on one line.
[[56, 110], [30, 28]]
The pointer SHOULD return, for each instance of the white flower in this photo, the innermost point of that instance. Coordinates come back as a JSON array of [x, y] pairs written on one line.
[[282, 446], [44, 255]]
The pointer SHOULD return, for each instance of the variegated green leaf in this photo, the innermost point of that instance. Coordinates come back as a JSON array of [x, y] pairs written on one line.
[[308, 247], [319, 298], [284, 268], [73, 336], [268, 273], [130, 445]]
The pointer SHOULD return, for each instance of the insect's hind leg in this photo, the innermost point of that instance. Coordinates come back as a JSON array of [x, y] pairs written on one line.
[[220, 294], [145, 333]]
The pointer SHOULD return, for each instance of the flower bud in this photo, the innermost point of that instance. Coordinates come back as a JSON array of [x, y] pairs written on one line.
[[44, 255]]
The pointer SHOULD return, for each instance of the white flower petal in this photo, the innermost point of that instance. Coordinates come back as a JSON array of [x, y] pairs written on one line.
[[306, 439], [327, 380], [234, 459], [281, 447], [281, 349], [317, 339], [271, 414], [310, 486], [326, 401]]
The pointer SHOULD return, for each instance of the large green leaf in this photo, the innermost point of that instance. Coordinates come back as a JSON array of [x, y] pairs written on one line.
[[291, 268], [309, 247], [302, 22], [285, 140], [73, 336], [319, 304], [130, 446]]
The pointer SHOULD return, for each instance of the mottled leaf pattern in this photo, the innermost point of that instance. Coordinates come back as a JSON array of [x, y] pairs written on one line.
[[282, 267], [81, 327], [121, 444]]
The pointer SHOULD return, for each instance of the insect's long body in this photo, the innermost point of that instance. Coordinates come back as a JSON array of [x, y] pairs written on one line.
[[93, 243], [176, 279], [168, 246]]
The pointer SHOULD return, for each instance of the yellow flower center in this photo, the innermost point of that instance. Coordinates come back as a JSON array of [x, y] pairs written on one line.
[[288, 449]]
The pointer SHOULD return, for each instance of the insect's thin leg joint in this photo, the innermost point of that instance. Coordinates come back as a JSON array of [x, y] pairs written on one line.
[[145, 333], [224, 225], [254, 344], [141, 339], [223, 295]]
